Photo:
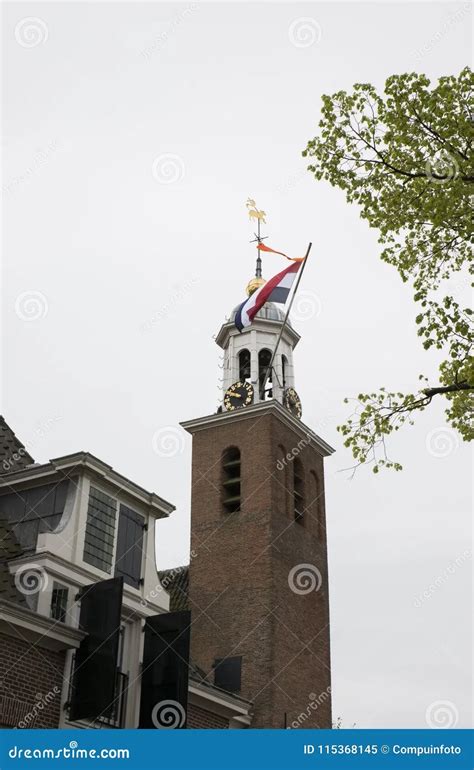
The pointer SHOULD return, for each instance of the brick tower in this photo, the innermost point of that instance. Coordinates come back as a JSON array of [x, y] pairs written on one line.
[[258, 572]]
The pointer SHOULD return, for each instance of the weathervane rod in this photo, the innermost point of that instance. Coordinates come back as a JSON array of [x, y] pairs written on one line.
[[255, 213], [270, 365]]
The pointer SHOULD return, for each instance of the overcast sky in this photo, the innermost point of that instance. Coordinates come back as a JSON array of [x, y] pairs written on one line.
[[133, 135]]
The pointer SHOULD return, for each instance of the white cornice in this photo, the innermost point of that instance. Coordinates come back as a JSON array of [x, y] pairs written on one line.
[[229, 329], [84, 461], [77, 575], [222, 703], [259, 410], [46, 632]]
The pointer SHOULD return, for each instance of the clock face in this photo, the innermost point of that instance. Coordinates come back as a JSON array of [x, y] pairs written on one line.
[[292, 402], [239, 394]]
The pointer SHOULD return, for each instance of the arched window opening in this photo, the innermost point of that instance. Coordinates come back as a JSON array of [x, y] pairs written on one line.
[[298, 490], [231, 480], [244, 365], [284, 369], [264, 358]]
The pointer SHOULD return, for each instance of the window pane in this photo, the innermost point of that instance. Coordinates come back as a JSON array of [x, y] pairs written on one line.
[[100, 530], [59, 603]]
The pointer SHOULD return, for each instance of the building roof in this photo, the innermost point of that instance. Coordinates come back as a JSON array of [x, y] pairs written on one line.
[[270, 311], [13, 457], [269, 318], [176, 582], [9, 549], [61, 467], [259, 410], [13, 454]]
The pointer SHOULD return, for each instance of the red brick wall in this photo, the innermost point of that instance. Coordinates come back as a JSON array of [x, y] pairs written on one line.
[[30, 684], [239, 576], [199, 718]]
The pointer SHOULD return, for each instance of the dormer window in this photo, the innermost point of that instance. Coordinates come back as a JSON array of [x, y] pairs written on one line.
[[101, 545]]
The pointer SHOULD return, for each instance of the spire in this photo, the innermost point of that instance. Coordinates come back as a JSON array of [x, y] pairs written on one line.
[[259, 216]]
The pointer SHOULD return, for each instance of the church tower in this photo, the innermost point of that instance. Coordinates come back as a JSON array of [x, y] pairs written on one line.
[[258, 573]]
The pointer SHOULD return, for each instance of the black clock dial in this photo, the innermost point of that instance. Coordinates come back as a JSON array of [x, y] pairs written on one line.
[[292, 402], [238, 395]]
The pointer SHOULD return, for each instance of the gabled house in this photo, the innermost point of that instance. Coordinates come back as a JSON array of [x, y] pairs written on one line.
[[87, 635]]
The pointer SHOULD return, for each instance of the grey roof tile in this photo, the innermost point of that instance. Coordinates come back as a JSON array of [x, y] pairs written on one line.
[[13, 454], [9, 549], [176, 582]]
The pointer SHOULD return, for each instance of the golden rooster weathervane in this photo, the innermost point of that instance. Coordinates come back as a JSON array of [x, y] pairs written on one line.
[[259, 216], [254, 212]]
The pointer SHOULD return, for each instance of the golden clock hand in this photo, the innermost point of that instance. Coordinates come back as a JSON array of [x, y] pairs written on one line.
[[232, 393]]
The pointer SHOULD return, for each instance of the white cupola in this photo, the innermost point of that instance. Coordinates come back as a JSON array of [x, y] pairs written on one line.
[[247, 354]]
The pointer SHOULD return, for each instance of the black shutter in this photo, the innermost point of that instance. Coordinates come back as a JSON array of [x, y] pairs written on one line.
[[128, 559], [227, 673], [164, 697], [95, 668]]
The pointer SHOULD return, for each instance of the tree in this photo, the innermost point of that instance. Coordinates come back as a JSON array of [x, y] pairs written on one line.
[[405, 158]]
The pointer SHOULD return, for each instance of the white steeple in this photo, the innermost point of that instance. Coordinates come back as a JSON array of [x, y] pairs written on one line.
[[248, 353], [247, 377]]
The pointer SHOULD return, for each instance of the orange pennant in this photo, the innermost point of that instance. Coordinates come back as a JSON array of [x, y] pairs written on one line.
[[261, 246]]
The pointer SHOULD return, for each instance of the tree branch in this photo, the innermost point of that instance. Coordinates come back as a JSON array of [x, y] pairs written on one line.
[[448, 389]]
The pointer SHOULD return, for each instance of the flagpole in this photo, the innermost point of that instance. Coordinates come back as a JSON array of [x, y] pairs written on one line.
[[258, 270], [270, 365]]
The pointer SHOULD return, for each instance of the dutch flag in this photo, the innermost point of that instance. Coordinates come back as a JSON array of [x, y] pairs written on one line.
[[275, 290]]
